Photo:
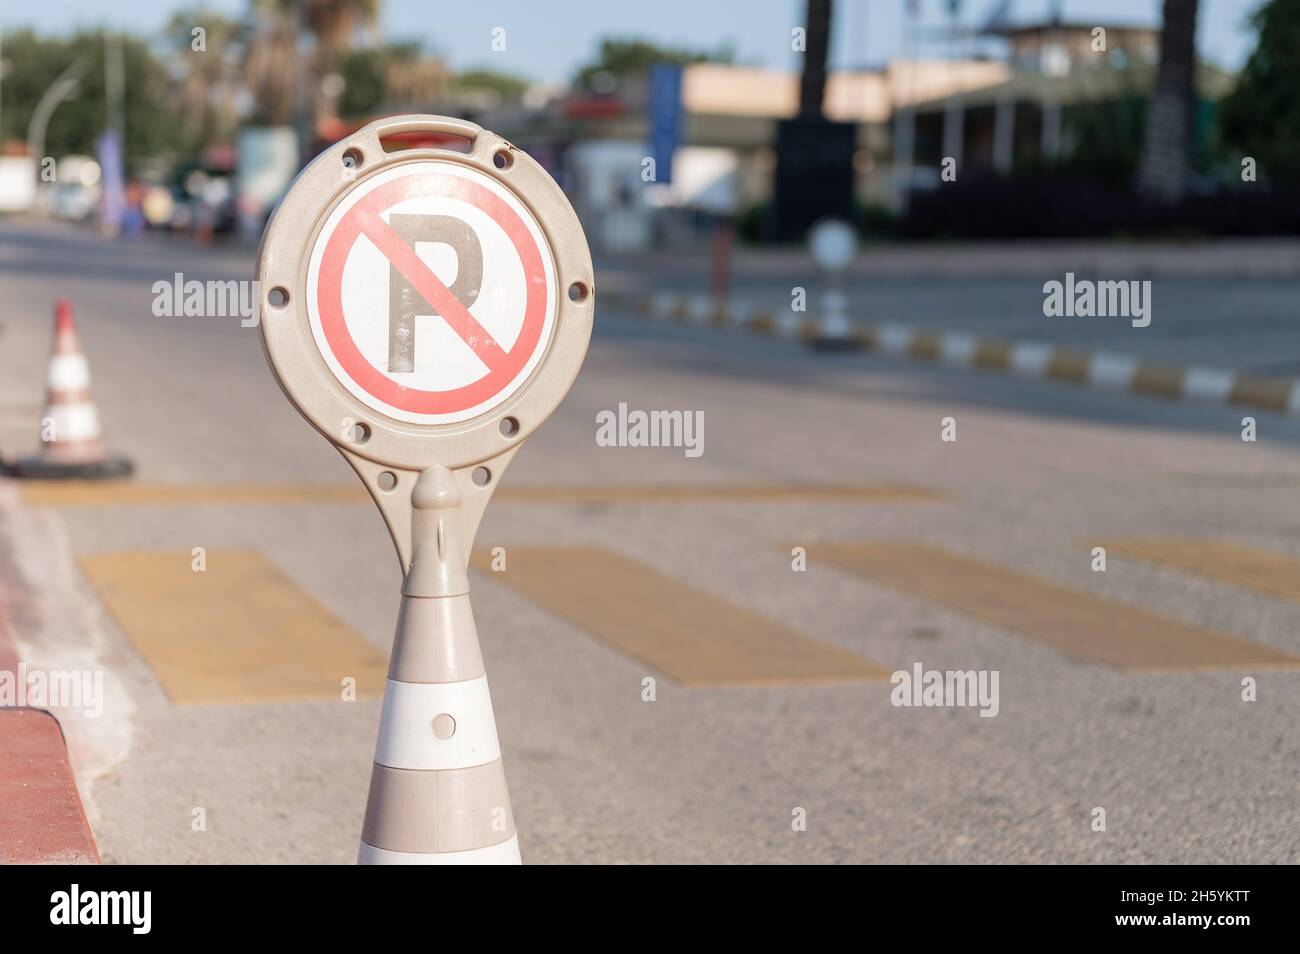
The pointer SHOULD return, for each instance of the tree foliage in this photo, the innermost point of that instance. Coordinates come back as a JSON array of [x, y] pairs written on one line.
[[506, 85], [1261, 116], [629, 58], [33, 63]]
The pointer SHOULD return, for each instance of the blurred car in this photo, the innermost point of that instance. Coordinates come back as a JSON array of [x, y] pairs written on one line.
[[195, 198], [74, 194]]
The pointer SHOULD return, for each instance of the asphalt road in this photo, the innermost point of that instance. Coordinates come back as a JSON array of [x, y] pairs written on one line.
[[1226, 306], [1185, 770]]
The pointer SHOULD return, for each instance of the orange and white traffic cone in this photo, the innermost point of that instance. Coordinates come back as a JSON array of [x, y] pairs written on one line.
[[70, 432]]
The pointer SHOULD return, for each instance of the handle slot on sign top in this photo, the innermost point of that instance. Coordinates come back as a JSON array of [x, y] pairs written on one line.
[[398, 134]]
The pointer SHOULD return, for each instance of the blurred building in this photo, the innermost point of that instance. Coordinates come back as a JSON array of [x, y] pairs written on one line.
[[1053, 47], [1023, 107], [1042, 92], [596, 144], [1066, 83]]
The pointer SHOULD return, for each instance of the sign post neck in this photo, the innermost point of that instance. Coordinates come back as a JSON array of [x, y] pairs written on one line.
[[439, 550], [401, 366]]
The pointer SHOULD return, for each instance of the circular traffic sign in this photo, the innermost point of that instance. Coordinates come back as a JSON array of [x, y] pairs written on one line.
[[426, 305], [833, 244], [430, 290]]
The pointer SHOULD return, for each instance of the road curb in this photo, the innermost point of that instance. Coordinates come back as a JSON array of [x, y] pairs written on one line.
[[1102, 370], [42, 820], [41, 817]]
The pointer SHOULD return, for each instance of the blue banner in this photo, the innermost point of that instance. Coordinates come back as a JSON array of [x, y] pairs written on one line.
[[113, 195], [665, 118]]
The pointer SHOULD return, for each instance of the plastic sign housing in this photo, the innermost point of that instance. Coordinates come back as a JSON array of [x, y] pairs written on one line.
[[425, 306]]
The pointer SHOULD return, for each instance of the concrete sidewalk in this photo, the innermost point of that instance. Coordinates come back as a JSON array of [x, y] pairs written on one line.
[[41, 817]]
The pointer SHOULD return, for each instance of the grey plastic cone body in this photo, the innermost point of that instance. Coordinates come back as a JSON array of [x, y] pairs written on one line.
[[438, 789]]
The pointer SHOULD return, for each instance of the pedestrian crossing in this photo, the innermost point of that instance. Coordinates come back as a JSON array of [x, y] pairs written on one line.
[[242, 631], [1264, 571], [1074, 621], [694, 637], [232, 628], [74, 493]]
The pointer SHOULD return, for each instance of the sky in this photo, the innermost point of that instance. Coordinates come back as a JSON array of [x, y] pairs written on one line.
[[548, 39]]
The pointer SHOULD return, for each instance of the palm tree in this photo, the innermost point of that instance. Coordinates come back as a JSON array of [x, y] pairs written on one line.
[[206, 95], [812, 82], [1166, 148], [335, 22], [271, 60], [273, 69]]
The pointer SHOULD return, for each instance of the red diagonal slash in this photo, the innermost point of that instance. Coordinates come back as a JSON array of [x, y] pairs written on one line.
[[403, 257]]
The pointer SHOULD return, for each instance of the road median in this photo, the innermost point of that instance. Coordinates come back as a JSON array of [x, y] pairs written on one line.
[[1101, 370]]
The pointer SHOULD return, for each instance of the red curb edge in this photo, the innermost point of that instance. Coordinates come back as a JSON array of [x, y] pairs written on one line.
[[41, 818]]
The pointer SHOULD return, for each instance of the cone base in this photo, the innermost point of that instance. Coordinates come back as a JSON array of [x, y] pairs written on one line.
[[112, 467], [506, 853]]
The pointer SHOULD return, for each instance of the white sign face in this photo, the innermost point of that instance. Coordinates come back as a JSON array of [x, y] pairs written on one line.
[[431, 293], [833, 244]]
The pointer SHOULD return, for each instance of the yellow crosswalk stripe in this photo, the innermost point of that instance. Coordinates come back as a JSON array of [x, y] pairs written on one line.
[[878, 491], [74, 493], [1264, 571], [694, 637], [71, 493], [238, 631], [1074, 621]]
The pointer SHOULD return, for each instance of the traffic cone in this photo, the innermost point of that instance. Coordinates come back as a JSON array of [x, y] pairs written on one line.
[[70, 434], [438, 787]]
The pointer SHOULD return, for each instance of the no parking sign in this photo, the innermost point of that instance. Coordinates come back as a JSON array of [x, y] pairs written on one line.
[[426, 309], [460, 277]]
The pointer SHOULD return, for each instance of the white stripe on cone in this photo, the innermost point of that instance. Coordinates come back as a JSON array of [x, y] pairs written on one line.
[[506, 853], [73, 422], [406, 725], [68, 372]]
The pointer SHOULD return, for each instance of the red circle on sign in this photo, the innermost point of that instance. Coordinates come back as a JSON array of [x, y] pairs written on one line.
[[504, 364]]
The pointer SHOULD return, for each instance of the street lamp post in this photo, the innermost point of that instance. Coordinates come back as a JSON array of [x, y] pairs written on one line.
[[63, 88]]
